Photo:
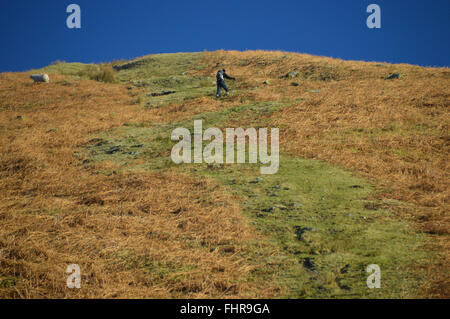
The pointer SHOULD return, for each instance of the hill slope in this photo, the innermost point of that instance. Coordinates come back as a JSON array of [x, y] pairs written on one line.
[[86, 178]]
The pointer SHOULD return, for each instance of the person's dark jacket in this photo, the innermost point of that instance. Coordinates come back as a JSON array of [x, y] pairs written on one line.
[[222, 75]]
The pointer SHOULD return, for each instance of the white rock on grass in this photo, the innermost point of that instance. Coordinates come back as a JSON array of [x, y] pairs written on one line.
[[40, 78]]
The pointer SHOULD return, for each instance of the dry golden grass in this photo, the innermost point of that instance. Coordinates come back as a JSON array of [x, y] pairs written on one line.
[[134, 235], [125, 232], [395, 132]]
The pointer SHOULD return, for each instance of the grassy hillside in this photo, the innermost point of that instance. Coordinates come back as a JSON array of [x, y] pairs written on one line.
[[86, 178]]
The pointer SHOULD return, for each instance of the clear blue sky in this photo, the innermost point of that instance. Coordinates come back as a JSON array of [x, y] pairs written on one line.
[[34, 33]]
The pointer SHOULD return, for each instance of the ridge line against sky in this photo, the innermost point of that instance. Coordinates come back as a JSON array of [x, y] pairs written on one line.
[[34, 34]]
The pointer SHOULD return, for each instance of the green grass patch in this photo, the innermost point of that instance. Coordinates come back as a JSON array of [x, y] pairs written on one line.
[[167, 72], [327, 233]]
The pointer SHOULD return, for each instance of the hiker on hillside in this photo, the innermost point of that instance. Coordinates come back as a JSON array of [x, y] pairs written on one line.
[[220, 77]]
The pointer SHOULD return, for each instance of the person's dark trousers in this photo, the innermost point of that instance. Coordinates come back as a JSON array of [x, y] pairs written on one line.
[[221, 85]]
